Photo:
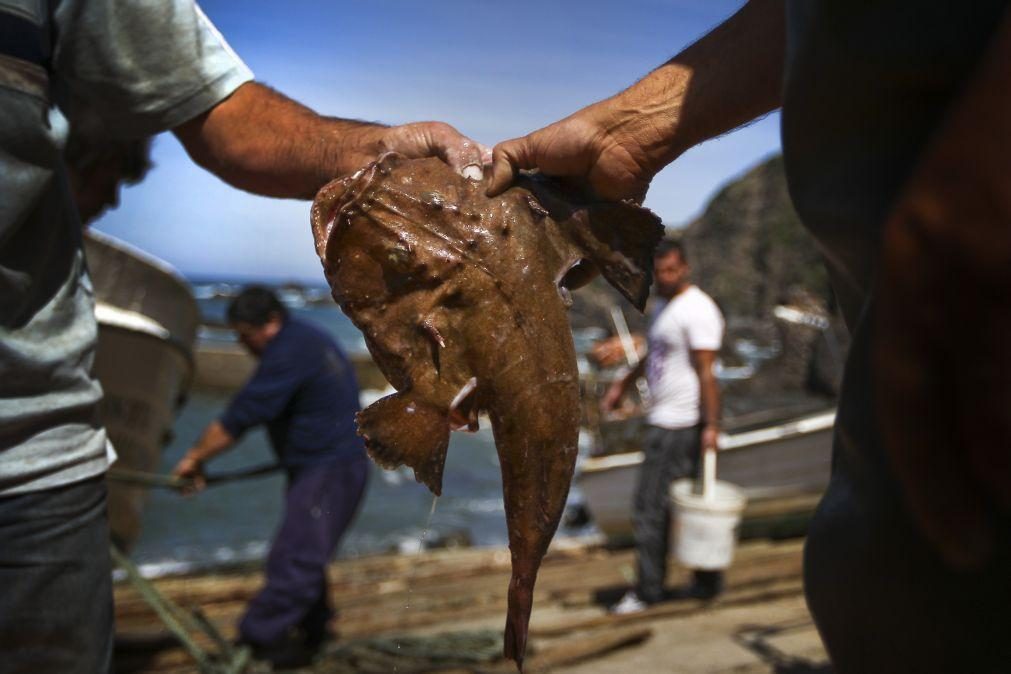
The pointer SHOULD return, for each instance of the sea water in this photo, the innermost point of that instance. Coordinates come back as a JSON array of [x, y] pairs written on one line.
[[234, 522]]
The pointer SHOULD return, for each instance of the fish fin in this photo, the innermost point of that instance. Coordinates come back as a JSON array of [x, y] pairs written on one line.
[[401, 430], [621, 241], [618, 238], [323, 214]]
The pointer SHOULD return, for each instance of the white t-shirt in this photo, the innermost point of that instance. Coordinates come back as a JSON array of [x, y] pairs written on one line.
[[689, 322]]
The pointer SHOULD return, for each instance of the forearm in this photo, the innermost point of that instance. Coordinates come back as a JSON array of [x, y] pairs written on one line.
[[638, 370], [263, 142], [709, 400], [214, 440], [728, 78]]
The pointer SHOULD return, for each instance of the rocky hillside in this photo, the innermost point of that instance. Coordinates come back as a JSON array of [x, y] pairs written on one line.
[[749, 250]]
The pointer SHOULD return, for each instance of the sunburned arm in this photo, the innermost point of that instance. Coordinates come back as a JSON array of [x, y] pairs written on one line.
[[709, 397], [261, 141], [729, 77]]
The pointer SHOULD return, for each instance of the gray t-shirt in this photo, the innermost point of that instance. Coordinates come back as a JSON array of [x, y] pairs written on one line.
[[142, 67]]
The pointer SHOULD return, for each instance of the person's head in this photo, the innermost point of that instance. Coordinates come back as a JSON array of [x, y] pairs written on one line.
[[257, 316], [671, 272], [97, 164]]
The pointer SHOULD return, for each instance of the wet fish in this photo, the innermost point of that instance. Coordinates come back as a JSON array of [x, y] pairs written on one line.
[[462, 300]]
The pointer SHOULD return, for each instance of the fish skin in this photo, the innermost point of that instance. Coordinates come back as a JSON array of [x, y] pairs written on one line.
[[458, 297]]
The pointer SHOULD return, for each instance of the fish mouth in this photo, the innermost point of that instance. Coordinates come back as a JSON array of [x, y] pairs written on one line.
[[463, 409]]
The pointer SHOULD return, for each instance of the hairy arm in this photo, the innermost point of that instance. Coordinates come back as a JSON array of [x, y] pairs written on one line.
[[261, 141], [729, 77], [709, 397]]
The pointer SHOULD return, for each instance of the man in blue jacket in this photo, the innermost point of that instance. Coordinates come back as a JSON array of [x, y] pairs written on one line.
[[304, 391]]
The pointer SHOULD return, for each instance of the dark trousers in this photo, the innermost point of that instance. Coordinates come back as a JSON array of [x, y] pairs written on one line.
[[320, 503], [669, 455], [55, 581]]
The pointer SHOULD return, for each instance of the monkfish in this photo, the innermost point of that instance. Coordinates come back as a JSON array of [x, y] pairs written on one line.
[[462, 300]]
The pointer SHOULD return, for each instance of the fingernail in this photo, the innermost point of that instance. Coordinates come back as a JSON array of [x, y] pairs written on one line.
[[472, 172]]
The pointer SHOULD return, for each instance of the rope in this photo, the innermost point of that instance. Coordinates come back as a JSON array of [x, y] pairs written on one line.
[[156, 480], [412, 654]]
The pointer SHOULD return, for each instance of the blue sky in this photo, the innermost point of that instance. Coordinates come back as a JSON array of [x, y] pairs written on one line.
[[494, 70]]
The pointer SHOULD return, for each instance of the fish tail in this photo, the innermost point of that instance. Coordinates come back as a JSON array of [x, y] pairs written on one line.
[[521, 597], [401, 429]]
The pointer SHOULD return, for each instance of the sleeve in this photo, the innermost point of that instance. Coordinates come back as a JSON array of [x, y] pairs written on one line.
[[705, 329], [142, 66], [264, 396]]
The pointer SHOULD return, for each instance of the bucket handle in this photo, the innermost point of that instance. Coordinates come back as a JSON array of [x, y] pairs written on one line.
[[709, 474]]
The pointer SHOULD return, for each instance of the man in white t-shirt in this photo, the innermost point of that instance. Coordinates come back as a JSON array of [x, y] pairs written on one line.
[[685, 334]]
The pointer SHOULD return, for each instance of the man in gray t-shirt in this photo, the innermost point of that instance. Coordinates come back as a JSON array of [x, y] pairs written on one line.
[[142, 67]]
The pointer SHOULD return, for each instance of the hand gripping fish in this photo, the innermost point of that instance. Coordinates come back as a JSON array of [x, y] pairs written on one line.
[[462, 300]]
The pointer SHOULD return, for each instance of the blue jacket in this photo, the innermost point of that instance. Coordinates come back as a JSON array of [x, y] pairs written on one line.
[[304, 390]]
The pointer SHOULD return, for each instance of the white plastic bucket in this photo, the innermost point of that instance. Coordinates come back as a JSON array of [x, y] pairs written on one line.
[[704, 527]]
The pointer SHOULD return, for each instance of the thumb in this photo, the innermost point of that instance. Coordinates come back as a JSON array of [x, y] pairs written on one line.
[[507, 158]]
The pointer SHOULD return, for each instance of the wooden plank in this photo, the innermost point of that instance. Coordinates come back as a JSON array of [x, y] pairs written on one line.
[[752, 595]]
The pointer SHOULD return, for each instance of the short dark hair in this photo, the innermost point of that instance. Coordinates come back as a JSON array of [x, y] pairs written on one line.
[[255, 305], [90, 143], [670, 245]]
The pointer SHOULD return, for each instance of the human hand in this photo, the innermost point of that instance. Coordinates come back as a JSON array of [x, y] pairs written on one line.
[[607, 352], [942, 346], [417, 140], [611, 399], [596, 144], [710, 438], [611, 351], [190, 470]]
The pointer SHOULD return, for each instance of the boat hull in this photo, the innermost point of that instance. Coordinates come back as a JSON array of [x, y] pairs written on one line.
[[147, 320], [782, 469]]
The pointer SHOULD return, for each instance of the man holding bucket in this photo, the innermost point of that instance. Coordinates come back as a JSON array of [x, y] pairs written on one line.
[[685, 334]]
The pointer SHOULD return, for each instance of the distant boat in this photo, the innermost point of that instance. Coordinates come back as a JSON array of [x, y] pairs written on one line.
[[782, 466], [147, 321]]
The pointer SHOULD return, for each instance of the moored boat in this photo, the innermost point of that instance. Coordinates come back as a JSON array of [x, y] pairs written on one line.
[[147, 321], [782, 466]]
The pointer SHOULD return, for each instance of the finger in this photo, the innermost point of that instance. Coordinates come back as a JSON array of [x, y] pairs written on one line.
[[465, 156], [466, 159], [507, 158]]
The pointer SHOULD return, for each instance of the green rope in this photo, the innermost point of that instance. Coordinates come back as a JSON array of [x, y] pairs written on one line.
[[144, 479], [412, 653]]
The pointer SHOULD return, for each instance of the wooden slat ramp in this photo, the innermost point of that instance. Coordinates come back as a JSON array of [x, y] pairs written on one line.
[[443, 612]]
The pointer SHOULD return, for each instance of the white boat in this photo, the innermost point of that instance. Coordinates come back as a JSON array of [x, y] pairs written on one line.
[[147, 322], [782, 467]]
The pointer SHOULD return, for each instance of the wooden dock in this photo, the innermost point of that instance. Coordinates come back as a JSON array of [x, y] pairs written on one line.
[[443, 611]]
